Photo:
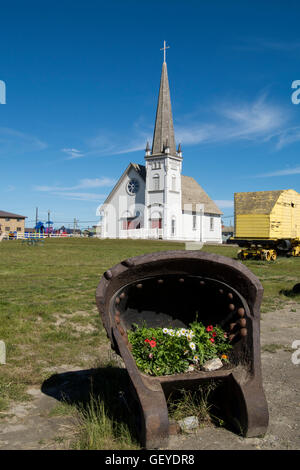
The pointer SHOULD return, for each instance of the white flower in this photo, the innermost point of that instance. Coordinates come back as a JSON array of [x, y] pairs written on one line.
[[165, 331], [191, 368], [196, 359], [171, 332], [178, 333], [190, 333], [183, 331], [192, 346], [189, 337]]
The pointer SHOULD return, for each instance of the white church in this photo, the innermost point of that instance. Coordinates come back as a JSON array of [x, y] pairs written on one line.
[[155, 200]]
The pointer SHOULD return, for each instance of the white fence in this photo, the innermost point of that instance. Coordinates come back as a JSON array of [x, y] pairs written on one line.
[[35, 235], [152, 233]]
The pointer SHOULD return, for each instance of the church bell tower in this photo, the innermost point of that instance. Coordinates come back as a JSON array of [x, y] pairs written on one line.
[[163, 167]]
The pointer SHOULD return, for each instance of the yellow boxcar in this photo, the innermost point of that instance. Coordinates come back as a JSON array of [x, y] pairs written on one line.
[[267, 214]]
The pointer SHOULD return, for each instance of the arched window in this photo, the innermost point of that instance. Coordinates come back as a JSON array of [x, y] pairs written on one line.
[[156, 182], [173, 183], [173, 226]]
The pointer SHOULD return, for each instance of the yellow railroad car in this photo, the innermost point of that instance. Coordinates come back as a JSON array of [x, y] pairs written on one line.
[[267, 220]]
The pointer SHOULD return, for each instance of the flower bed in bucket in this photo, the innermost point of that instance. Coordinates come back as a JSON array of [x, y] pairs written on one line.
[[167, 351]]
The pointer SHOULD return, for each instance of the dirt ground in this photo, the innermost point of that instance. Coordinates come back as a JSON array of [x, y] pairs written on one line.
[[29, 426]]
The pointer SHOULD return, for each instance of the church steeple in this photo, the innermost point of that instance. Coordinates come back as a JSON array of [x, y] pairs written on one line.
[[164, 137]]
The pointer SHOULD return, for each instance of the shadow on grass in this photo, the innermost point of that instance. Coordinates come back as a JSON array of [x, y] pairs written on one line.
[[294, 292], [108, 386]]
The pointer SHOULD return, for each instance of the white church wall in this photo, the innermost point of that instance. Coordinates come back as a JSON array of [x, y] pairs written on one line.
[[192, 225], [212, 228], [122, 205]]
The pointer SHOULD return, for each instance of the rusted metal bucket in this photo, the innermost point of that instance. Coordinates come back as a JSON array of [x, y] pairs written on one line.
[[170, 288]]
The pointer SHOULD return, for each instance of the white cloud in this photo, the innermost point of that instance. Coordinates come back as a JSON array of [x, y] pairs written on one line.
[[258, 120], [285, 172], [81, 196], [73, 153], [85, 183], [15, 142]]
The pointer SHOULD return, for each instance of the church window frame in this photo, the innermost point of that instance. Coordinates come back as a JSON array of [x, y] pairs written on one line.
[[156, 182], [211, 224], [173, 226], [194, 222], [173, 183], [132, 186]]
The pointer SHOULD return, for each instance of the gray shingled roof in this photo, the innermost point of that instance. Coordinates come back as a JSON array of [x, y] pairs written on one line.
[[192, 193], [11, 215]]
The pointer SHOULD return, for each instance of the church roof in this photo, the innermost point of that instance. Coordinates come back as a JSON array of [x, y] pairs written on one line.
[[164, 129], [192, 193]]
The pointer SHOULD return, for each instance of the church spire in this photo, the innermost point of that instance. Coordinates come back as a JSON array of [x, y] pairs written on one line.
[[164, 131]]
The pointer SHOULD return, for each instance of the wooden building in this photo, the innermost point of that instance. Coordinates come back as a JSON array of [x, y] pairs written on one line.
[[267, 214]]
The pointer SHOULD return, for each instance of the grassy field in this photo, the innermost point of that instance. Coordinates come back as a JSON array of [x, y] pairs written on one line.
[[48, 315]]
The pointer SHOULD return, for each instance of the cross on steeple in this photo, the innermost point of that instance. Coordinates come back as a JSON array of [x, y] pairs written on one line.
[[164, 49]]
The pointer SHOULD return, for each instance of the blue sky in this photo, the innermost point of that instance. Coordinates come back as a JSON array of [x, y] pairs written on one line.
[[82, 81]]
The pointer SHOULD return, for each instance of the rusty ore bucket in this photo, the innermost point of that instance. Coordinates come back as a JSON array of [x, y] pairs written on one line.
[[170, 288]]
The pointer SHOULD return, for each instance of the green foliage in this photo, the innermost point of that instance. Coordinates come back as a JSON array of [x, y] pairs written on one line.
[[163, 351]]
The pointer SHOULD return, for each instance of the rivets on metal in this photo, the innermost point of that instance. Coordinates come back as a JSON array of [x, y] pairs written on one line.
[[221, 291], [108, 275], [128, 263], [243, 331], [123, 295], [241, 312], [230, 295], [121, 330], [160, 281], [139, 286], [202, 283], [231, 307], [117, 319], [117, 301], [242, 322], [181, 279]]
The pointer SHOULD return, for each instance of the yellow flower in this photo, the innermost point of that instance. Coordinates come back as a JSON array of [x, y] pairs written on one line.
[[224, 356]]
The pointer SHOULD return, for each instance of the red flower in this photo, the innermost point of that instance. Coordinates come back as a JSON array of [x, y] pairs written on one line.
[[214, 334], [209, 328], [212, 340], [152, 344], [147, 340]]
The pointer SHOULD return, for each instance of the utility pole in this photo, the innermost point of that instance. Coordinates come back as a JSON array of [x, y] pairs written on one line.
[[36, 215], [75, 226]]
